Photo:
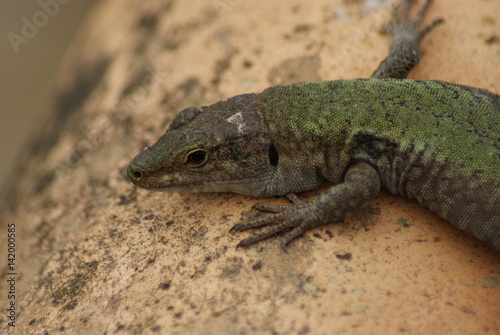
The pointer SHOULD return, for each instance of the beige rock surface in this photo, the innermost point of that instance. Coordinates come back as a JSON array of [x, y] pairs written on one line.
[[95, 255]]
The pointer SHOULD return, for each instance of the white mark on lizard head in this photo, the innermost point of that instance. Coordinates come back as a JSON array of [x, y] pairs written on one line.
[[237, 120]]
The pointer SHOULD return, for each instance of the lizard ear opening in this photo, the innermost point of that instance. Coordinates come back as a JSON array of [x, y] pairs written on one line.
[[273, 155]]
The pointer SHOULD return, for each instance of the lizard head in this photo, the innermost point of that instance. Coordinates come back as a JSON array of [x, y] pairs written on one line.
[[224, 147]]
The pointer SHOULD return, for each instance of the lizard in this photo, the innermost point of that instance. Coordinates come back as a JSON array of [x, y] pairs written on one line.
[[432, 141]]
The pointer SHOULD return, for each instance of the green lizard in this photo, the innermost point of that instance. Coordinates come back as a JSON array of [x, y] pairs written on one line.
[[432, 141]]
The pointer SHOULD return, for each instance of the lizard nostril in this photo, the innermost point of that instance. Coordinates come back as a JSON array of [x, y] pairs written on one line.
[[134, 172]]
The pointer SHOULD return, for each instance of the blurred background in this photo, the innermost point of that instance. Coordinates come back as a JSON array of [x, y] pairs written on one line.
[[34, 36]]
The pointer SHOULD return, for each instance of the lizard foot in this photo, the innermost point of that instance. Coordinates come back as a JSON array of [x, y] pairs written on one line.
[[361, 183], [299, 217], [404, 53], [399, 23]]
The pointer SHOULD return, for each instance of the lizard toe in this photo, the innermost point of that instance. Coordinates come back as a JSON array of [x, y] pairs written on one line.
[[261, 207], [258, 222]]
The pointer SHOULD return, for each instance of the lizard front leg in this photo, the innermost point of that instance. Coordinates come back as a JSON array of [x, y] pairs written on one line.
[[361, 183]]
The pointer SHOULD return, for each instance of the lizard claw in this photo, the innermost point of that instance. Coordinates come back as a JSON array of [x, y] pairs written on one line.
[[283, 244], [431, 26]]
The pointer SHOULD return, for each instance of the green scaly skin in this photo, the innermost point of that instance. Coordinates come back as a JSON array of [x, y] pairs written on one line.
[[432, 141]]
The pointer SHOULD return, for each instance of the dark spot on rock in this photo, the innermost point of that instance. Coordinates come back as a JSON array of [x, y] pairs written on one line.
[[247, 64], [302, 28], [257, 266], [467, 310], [402, 223], [233, 268], [165, 286], [230, 271], [125, 200], [222, 66], [149, 217], [70, 290], [141, 79], [492, 39], [70, 305], [175, 37], [347, 256], [115, 233], [148, 22], [43, 181]]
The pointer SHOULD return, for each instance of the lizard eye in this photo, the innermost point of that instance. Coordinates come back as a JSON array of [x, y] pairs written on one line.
[[197, 158]]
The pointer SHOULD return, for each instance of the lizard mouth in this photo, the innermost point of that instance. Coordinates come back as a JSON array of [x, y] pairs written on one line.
[[176, 183]]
